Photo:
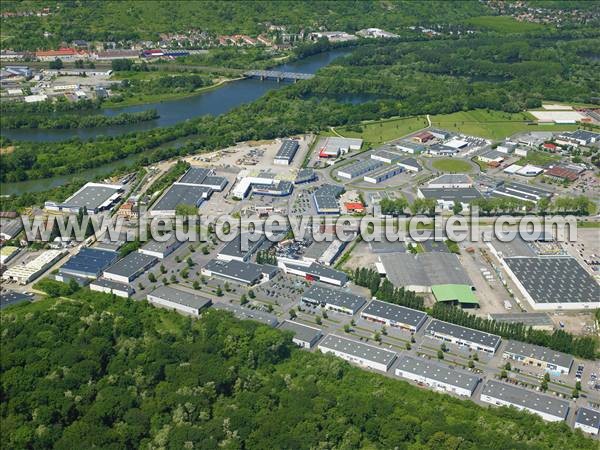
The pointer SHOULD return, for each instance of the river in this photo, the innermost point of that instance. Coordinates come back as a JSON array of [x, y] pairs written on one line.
[[215, 102]]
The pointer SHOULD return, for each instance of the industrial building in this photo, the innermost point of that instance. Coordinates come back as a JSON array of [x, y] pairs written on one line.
[[95, 197], [578, 137], [463, 336], [279, 188], [588, 420], [537, 321], [440, 134], [88, 263], [247, 314], [385, 156], [180, 194], [548, 407], [359, 168], [161, 249], [382, 175], [410, 164], [333, 146], [247, 273], [521, 191], [437, 376], [456, 294], [31, 270], [359, 353], [394, 315], [441, 150], [491, 157], [305, 176], [451, 181], [304, 336], [553, 282], [200, 176], [409, 147], [241, 247], [287, 151], [420, 272], [10, 298], [423, 136], [313, 271], [179, 300], [507, 147], [261, 184], [326, 197], [535, 355], [112, 287], [333, 299], [528, 170], [446, 198], [324, 252], [130, 267], [10, 228]]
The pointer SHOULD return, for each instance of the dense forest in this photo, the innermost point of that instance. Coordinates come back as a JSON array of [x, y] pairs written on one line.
[[95, 371]]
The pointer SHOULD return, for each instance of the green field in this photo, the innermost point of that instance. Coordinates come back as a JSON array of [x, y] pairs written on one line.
[[492, 124], [451, 165], [504, 24], [386, 130], [538, 158]]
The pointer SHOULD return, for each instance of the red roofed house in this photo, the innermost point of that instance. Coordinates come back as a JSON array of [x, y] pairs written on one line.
[[423, 136], [62, 53], [354, 207], [562, 173], [550, 146]]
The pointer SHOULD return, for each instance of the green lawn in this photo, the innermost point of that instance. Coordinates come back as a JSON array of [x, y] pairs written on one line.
[[504, 24], [538, 158], [382, 131], [492, 124], [451, 165]]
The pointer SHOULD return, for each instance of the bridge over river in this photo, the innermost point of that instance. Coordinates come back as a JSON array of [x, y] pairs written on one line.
[[278, 75]]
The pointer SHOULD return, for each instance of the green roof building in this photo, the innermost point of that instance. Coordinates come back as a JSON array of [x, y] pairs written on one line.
[[455, 293]]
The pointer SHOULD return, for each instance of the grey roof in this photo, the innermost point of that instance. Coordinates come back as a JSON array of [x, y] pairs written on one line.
[[463, 333], [387, 154], [540, 353], [89, 260], [287, 150], [330, 189], [396, 313], [234, 247], [91, 196], [526, 398], [320, 271], [11, 227], [181, 297], [452, 178], [246, 272], [441, 148], [556, 279], [493, 154], [529, 318], [326, 196], [247, 314], [438, 372], [103, 282], [409, 144], [278, 188], [385, 246], [360, 167], [358, 349], [446, 134], [583, 135], [385, 174], [302, 332], [424, 269], [515, 247], [9, 298], [181, 194], [410, 162], [316, 249], [195, 175], [305, 175], [156, 246], [463, 195], [131, 265], [527, 189], [503, 191], [589, 417], [336, 297], [214, 181]]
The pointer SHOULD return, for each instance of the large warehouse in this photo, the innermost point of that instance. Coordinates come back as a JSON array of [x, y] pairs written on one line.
[[437, 376], [313, 272], [548, 407], [31, 270], [394, 315], [588, 420], [180, 194], [365, 355], [248, 273], [359, 168], [304, 336], [247, 314], [88, 263], [535, 355], [333, 299], [287, 151], [553, 283], [179, 300], [95, 197], [462, 336], [130, 267]]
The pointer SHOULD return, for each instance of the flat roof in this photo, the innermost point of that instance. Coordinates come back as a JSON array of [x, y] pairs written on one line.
[[9, 298], [451, 292], [358, 349], [103, 282], [159, 246], [588, 416], [92, 195], [335, 142], [181, 194], [463, 333], [234, 247], [555, 279], [463, 195], [244, 313], [452, 178], [540, 353], [412, 162], [385, 246], [92, 260], [301, 331], [131, 264], [360, 167], [396, 313], [11, 227], [287, 150], [335, 297], [304, 175], [182, 297], [244, 271], [439, 372], [526, 398], [409, 144], [387, 155], [529, 318], [424, 269], [195, 175]]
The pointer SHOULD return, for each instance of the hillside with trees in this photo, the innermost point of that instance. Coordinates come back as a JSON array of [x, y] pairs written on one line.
[[95, 371]]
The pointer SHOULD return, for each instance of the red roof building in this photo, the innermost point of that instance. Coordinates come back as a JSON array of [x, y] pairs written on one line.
[[65, 51], [562, 173], [550, 146], [354, 207], [423, 136]]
